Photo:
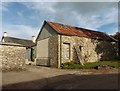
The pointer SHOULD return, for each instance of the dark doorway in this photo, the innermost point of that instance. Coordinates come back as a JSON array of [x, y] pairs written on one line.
[[32, 54]]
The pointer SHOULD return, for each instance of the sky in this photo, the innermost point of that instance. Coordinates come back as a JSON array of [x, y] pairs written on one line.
[[25, 19]]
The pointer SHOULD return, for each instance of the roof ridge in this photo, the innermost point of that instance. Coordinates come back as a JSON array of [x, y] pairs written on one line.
[[72, 26], [17, 38]]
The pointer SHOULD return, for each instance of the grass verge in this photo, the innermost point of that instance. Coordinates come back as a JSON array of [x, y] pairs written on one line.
[[72, 65]]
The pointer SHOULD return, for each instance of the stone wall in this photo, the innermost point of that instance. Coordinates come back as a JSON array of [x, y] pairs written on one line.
[[12, 57], [53, 51], [92, 50]]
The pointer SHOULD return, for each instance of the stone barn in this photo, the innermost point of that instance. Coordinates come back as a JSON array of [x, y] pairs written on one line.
[[12, 56], [58, 43]]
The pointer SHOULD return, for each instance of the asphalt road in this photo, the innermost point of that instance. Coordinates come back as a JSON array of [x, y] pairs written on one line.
[[46, 78]]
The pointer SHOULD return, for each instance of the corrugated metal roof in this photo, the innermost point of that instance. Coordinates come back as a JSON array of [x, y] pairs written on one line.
[[22, 42], [76, 31]]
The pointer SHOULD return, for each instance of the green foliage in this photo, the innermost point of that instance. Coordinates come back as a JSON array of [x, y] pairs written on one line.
[[72, 65]]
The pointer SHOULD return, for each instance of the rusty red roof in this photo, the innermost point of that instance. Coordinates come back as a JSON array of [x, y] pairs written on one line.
[[76, 31]]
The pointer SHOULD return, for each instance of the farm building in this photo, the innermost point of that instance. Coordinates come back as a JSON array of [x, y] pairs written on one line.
[[58, 43]]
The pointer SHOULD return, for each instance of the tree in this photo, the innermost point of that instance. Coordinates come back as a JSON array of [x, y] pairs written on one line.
[[117, 36]]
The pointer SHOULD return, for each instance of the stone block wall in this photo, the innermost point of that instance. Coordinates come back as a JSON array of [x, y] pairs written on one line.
[[12, 57], [53, 51], [92, 50]]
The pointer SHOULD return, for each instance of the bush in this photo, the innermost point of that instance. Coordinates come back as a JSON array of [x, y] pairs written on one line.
[[72, 65]]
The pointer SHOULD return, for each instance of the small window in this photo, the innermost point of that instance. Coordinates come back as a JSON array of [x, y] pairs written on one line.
[[80, 47]]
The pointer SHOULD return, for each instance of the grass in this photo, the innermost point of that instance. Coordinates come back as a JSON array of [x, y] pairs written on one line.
[[72, 65]]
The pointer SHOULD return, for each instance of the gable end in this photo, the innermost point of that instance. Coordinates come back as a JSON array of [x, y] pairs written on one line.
[[46, 31]]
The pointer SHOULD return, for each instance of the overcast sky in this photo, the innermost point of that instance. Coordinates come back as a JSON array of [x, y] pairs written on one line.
[[24, 19]]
